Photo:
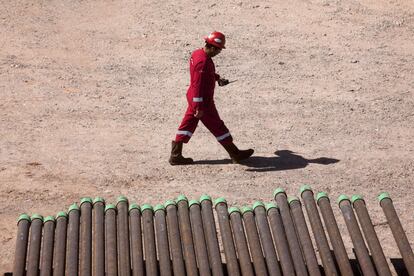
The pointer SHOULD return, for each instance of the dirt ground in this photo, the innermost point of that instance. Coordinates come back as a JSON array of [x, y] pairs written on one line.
[[92, 92]]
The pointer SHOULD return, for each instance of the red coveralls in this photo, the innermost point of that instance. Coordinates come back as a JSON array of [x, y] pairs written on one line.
[[200, 95]]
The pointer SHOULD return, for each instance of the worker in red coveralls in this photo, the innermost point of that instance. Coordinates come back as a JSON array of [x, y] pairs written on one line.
[[200, 98]]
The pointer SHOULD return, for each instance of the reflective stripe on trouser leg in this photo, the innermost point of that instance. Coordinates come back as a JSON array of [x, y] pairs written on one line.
[[187, 127], [216, 126]]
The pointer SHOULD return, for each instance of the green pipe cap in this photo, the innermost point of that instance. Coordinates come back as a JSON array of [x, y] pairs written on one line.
[[121, 199], [192, 202], [342, 198], [73, 207], [85, 200], [278, 191], [61, 214], [98, 199], [271, 205], [293, 198], [133, 206], [305, 188], [159, 207], [205, 197], [220, 200], [169, 202], [146, 207], [356, 197], [36, 216], [24, 217], [49, 218], [246, 209], [383, 196], [233, 209], [109, 207], [181, 198], [321, 195], [258, 204]]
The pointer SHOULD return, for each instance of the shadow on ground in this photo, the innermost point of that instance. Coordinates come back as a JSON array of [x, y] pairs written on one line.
[[284, 160]]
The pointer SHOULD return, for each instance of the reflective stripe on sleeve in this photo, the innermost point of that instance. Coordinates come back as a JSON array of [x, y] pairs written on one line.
[[185, 132], [197, 100], [222, 137]]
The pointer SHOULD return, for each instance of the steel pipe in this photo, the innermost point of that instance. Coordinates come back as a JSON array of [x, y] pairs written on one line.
[[137, 256], [295, 250], [122, 221], [149, 240], [198, 236], [162, 240], [211, 235], [254, 241], [279, 236], [227, 237], [322, 244], [397, 231], [98, 230], [59, 257], [334, 235], [23, 226], [85, 265], [111, 256], [240, 242], [361, 250], [175, 238], [46, 264], [266, 239]]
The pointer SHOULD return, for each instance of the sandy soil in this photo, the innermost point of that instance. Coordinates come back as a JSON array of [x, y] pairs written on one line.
[[92, 93]]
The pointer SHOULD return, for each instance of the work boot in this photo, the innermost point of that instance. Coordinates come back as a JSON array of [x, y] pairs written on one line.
[[177, 157], [236, 154]]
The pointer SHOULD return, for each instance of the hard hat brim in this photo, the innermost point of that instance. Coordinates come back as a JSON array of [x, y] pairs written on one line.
[[213, 43]]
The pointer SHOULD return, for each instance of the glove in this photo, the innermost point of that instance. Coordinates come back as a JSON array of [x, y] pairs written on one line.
[[223, 82]]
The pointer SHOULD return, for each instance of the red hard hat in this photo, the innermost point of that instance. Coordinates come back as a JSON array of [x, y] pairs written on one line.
[[216, 39]]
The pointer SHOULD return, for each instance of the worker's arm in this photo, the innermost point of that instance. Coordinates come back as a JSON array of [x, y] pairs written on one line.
[[200, 84]]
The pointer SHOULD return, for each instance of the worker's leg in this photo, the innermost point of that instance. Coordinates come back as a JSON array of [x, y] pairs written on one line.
[[187, 127], [212, 121], [184, 133]]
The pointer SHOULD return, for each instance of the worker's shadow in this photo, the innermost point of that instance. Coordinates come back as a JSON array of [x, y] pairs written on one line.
[[284, 160]]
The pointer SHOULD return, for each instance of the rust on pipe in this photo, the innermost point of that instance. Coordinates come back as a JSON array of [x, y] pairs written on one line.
[[318, 231], [227, 237], [398, 232], [295, 250], [199, 241], [85, 266], [334, 235], [98, 230], [175, 239], [124, 261], [186, 236], [304, 236], [59, 250], [241, 242], [211, 236], [162, 240], [137, 256], [111, 260], [33, 257], [46, 264], [266, 239], [23, 226], [150, 252], [254, 242], [361, 250], [72, 252], [370, 236], [279, 236]]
